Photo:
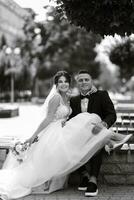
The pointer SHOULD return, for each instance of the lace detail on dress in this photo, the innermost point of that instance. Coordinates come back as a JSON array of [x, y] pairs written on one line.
[[63, 111]]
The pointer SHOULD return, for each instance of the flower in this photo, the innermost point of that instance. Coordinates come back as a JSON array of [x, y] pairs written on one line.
[[19, 150]]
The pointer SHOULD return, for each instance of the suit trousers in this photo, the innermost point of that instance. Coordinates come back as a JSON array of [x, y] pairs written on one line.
[[93, 165]]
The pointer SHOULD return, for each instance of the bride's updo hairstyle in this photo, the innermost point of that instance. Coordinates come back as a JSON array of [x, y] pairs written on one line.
[[62, 73]]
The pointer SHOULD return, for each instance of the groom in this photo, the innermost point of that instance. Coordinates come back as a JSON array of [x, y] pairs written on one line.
[[93, 101]]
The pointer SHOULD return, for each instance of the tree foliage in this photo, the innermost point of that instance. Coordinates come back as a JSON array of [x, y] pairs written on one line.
[[19, 64], [3, 42], [105, 17], [29, 46], [67, 47], [4, 80], [123, 56]]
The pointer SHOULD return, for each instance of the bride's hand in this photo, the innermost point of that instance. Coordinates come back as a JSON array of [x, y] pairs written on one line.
[[31, 140], [63, 123]]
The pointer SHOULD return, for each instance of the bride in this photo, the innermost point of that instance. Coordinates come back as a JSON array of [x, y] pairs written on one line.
[[63, 145]]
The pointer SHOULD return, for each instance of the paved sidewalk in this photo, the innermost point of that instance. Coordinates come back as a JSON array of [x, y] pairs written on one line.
[[105, 193], [25, 124]]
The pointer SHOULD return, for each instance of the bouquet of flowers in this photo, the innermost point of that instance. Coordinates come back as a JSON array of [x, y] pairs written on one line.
[[19, 150]]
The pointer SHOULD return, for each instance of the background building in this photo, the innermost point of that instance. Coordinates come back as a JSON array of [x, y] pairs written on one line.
[[12, 18]]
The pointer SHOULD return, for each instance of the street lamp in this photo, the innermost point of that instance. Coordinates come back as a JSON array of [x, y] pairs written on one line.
[[12, 53]]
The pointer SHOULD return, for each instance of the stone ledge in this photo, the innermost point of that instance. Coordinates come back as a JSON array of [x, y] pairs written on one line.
[[7, 112]]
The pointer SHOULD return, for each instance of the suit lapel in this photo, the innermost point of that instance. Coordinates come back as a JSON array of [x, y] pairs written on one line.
[[78, 104]]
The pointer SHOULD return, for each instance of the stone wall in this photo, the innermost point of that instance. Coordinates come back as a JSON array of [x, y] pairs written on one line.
[[118, 168]]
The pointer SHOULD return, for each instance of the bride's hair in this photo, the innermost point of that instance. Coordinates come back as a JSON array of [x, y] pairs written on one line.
[[62, 73]]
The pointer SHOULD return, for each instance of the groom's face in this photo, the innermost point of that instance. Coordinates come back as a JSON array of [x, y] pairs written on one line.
[[84, 82]]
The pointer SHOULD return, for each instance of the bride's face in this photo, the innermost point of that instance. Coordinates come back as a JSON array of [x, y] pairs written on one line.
[[63, 84]]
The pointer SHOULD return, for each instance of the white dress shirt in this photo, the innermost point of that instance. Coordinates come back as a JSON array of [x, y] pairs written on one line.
[[84, 104]]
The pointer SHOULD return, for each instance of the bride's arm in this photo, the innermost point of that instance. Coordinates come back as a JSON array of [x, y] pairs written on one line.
[[52, 107]]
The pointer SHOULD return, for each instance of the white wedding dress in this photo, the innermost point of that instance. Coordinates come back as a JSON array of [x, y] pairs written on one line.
[[59, 151]]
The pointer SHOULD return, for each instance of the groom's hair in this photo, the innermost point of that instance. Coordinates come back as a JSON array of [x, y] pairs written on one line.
[[62, 73], [84, 71]]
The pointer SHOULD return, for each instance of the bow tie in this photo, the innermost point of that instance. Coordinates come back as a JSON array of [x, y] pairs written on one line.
[[82, 96]]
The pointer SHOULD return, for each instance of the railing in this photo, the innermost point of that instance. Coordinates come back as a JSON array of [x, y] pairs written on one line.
[[125, 120]]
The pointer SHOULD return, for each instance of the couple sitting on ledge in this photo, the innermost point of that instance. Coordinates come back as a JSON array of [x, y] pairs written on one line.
[[73, 132]]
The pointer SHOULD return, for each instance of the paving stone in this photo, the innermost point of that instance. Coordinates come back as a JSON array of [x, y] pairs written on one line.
[[105, 193]]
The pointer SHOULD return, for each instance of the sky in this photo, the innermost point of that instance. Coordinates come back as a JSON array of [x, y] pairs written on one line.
[[37, 6]]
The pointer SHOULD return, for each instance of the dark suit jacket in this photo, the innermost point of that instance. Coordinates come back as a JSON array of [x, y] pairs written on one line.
[[99, 103]]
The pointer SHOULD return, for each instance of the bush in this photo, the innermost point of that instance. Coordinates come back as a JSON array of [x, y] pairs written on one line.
[[123, 56]]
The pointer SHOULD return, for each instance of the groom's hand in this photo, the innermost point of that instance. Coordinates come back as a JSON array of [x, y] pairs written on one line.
[[97, 128]]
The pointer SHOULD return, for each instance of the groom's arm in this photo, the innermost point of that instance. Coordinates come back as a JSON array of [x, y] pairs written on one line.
[[109, 112]]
